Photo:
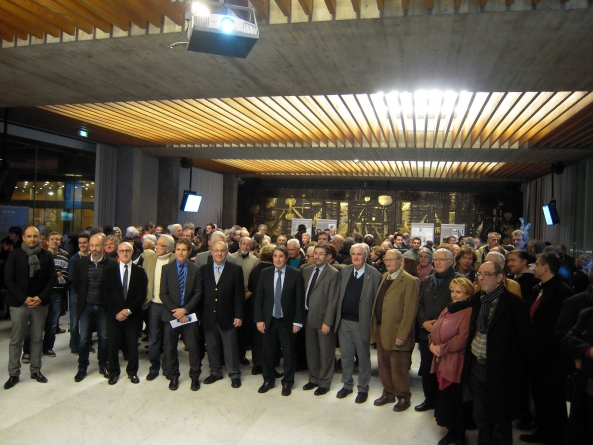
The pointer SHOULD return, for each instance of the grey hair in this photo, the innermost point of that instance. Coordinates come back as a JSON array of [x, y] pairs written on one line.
[[218, 234], [399, 254], [247, 238], [363, 246], [132, 231], [170, 240], [499, 257], [293, 240], [469, 241], [447, 252], [149, 237]]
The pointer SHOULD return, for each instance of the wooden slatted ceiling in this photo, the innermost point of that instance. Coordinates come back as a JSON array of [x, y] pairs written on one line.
[[401, 120], [24, 18]]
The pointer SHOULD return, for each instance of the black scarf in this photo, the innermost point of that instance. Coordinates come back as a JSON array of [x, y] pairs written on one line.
[[484, 315], [440, 278], [34, 264], [456, 306]]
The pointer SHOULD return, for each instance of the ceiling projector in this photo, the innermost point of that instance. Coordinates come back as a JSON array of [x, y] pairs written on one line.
[[222, 29]]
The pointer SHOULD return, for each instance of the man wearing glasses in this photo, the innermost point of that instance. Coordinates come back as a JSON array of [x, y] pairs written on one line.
[[434, 297], [124, 291]]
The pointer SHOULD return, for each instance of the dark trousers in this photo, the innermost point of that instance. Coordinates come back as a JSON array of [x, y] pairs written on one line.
[[218, 341], [121, 333], [257, 347], [489, 431], [548, 389], [191, 337], [393, 371], [301, 349], [579, 429], [430, 384], [279, 332]]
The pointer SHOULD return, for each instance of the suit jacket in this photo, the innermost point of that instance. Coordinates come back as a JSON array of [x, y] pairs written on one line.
[[292, 299], [571, 308], [371, 278], [16, 276], [400, 306], [323, 301], [149, 265], [507, 348], [170, 291], [576, 343], [80, 278], [223, 302], [206, 258], [113, 291]]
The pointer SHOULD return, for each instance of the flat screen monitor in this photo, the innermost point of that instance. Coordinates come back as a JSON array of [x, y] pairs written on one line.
[[551, 214], [191, 201]]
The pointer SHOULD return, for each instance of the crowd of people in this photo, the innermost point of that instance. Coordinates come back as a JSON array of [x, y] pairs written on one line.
[[504, 332]]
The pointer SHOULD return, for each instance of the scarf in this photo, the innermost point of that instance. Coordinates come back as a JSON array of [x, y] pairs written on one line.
[[439, 278], [34, 264], [486, 300], [453, 307], [424, 272]]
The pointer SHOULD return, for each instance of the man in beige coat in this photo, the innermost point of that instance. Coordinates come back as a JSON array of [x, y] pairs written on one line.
[[392, 328]]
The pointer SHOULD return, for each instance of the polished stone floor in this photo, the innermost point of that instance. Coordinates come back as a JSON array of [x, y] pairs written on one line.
[[92, 412]]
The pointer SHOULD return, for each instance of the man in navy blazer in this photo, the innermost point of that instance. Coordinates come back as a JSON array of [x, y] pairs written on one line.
[[181, 294], [224, 296], [124, 292], [279, 314]]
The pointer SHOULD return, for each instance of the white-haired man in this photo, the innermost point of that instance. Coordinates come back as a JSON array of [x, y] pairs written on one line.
[[206, 257]]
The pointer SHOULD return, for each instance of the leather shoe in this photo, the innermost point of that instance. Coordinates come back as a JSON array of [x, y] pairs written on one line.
[[256, 370], [113, 379], [535, 437], [309, 386], [104, 371], [265, 387], [133, 378], [80, 375], [211, 379], [321, 391], [401, 405], [12, 380], [151, 376], [244, 361], [449, 438], [383, 401], [174, 383], [286, 389], [195, 384], [343, 393], [424, 406], [361, 397], [39, 377], [236, 382], [278, 374]]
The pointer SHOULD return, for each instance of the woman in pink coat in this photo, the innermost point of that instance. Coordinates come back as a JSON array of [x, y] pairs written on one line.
[[448, 339]]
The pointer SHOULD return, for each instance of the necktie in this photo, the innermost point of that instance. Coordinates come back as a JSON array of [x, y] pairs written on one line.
[[125, 283], [356, 275], [181, 285], [278, 296], [217, 274], [311, 286]]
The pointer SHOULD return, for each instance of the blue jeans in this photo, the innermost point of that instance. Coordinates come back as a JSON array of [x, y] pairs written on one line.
[[51, 324], [155, 338], [85, 324], [74, 333]]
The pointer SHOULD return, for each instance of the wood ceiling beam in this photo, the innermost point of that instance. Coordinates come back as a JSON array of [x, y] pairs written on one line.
[[285, 6], [331, 6], [86, 14], [66, 15], [13, 31], [33, 24], [262, 7], [106, 13], [381, 4], [48, 13], [307, 6], [147, 10], [126, 9], [174, 11]]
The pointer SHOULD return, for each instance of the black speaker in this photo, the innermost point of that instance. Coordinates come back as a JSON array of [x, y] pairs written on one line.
[[186, 163], [558, 168]]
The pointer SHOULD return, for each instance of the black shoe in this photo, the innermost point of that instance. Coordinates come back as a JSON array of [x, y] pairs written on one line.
[[265, 387], [343, 393], [244, 361], [151, 376], [309, 386], [256, 370], [80, 375], [424, 406], [460, 439], [113, 379], [286, 389], [26, 358], [321, 391], [526, 422], [174, 383], [536, 437], [278, 374], [236, 382], [195, 384], [167, 376], [12, 380], [104, 371], [73, 351], [449, 438], [92, 350], [133, 378], [145, 338], [39, 377], [361, 397], [211, 379], [49, 353]]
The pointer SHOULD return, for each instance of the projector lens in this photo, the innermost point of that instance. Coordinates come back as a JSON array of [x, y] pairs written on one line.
[[200, 9], [227, 25]]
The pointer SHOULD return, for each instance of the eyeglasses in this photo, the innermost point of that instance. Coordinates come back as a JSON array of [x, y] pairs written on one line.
[[125, 251], [486, 274], [440, 260], [390, 260], [219, 251]]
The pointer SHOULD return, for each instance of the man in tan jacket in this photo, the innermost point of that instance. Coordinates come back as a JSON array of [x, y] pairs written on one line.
[[392, 328]]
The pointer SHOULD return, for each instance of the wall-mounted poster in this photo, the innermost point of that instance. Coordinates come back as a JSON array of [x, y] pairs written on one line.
[[331, 224], [455, 230], [424, 231], [296, 222]]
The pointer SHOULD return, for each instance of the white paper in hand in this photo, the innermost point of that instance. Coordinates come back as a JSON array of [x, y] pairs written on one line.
[[191, 318]]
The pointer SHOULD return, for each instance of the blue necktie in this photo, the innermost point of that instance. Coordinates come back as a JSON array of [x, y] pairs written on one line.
[[181, 285], [278, 296]]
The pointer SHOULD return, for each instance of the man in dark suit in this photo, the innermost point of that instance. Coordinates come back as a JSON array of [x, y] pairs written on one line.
[[181, 294], [29, 276], [358, 286], [124, 291], [224, 296], [322, 283], [279, 314], [496, 354], [87, 281]]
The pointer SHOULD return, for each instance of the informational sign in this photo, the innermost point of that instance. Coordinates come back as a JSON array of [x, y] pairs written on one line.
[[322, 224], [455, 230], [11, 216], [294, 227], [424, 231]]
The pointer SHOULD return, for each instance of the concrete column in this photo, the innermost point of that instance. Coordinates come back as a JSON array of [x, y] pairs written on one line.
[[168, 197], [105, 185], [129, 186], [230, 184]]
